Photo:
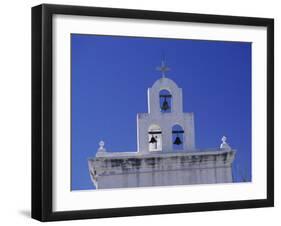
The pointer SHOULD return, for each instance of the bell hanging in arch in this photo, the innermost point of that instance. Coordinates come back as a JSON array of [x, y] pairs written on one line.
[[177, 141], [165, 106], [152, 140]]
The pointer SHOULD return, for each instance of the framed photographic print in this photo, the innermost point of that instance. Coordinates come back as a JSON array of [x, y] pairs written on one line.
[[146, 112]]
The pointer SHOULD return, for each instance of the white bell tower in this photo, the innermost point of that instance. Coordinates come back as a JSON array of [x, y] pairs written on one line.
[[166, 152], [165, 111]]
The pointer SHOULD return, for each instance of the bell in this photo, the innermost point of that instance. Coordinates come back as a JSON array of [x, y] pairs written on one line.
[[153, 140], [177, 141], [165, 106]]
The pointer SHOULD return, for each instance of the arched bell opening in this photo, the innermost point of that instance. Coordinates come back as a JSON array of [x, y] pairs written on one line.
[[165, 99], [154, 138], [177, 137]]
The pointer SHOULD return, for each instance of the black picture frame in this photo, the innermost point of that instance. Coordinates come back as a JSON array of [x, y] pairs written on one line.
[[42, 197]]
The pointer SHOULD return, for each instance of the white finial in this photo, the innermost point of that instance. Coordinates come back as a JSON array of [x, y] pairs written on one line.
[[101, 144], [224, 145]]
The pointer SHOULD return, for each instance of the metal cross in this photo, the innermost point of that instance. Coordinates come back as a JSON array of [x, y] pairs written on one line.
[[163, 68]]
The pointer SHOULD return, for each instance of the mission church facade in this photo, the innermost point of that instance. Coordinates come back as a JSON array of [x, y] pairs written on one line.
[[166, 153]]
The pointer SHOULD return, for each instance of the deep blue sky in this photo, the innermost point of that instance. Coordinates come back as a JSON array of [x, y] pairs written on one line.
[[110, 77]]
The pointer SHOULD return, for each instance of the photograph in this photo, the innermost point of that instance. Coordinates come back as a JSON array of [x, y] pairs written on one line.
[[141, 112], [150, 112]]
